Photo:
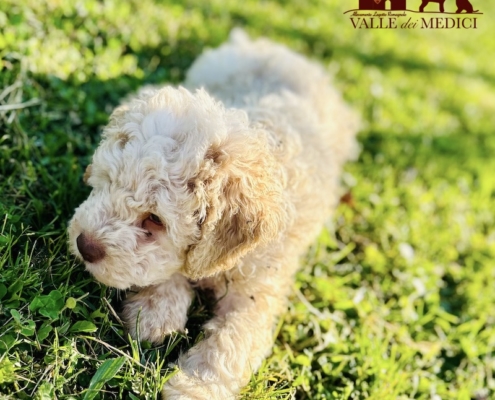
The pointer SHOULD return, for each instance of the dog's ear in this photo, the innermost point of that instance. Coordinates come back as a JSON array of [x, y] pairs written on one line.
[[240, 191]]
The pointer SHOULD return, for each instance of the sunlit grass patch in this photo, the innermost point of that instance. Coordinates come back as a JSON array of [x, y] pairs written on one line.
[[395, 300]]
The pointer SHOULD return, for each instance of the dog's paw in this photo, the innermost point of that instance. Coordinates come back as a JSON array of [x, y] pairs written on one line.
[[185, 387], [156, 311]]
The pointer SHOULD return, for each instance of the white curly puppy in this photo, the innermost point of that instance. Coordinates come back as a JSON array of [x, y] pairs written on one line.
[[222, 185]]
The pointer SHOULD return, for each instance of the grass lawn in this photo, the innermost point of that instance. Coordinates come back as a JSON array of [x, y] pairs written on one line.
[[396, 300]]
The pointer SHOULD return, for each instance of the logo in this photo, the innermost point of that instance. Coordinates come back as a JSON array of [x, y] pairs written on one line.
[[422, 14]]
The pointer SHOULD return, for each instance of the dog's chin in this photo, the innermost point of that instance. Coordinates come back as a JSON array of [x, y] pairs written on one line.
[[104, 272], [117, 283]]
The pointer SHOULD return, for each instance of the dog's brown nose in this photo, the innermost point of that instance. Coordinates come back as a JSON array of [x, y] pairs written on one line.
[[90, 250]]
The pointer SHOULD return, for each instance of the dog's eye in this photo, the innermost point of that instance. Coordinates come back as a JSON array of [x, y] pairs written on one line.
[[155, 219]]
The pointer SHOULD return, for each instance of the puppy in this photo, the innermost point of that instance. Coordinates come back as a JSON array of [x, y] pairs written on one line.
[[220, 184]]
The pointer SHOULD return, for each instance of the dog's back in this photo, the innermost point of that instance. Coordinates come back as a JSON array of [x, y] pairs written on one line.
[[312, 128], [243, 73], [243, 70]]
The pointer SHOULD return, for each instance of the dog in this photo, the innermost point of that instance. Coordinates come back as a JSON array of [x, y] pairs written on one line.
[[220, 184], [424, 3]]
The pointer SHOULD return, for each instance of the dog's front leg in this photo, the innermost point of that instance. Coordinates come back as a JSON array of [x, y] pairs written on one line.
[[158, 310], [237, 340], [442, 8]]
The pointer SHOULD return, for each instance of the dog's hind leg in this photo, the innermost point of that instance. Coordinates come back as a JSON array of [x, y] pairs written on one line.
[[469, 7]]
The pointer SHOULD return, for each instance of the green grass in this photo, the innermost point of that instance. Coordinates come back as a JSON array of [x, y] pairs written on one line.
[[396, 300]]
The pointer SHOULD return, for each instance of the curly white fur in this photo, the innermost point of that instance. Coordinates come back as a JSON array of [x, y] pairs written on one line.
[[242, 167]]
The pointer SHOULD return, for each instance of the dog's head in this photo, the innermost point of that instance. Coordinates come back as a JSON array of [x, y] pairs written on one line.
[[180, 184]]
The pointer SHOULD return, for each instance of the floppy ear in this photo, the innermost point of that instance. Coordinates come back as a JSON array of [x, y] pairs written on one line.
[[240, 191]]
